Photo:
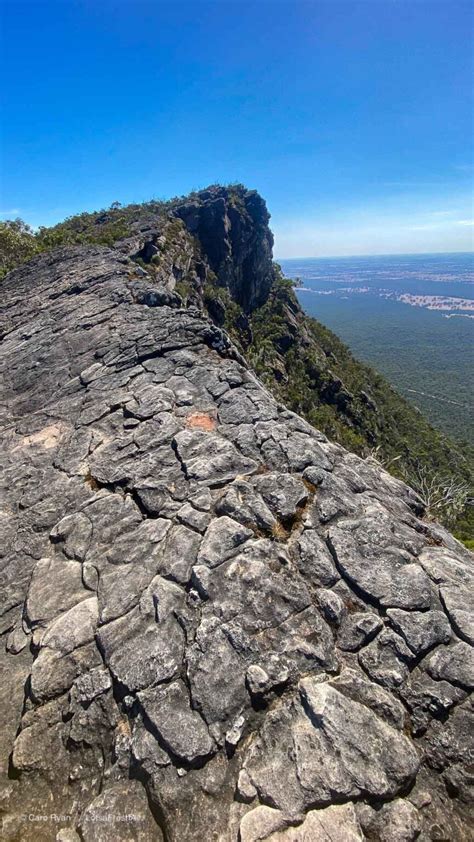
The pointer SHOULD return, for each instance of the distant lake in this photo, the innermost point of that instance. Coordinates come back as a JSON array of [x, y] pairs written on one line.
[[379, 307]]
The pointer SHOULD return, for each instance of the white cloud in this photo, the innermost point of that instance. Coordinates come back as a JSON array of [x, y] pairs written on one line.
[[10, 212]]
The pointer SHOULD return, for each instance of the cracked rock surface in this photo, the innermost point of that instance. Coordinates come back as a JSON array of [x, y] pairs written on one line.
[[216, 624]]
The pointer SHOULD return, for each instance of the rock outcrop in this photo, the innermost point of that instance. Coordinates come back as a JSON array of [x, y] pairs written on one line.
[[231, 225], [217, 624]]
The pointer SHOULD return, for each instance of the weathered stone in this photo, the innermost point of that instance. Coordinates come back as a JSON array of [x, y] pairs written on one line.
[[369, 560], [421, 631], [210, 459], [387, 659], [120, 812], [179, 554], [284, 494], [364, 768], [356, 630], [454, 664], [315, 562], [221, 541], [428, 699], [43, 602], [91, 684], [331, 823], [353, 685], [262, 823], [328, 759], [194, 518], [182, 730], [242, 503], [399, 821], [73, 534], [331, 605], [139, 652], [458, 602], [452, 742]]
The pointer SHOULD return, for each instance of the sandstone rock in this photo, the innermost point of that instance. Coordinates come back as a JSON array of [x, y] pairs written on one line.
[[315, 561], [454, 664], [357, 630], [120, 812], [399, 821], [337, 822], [208, 458], [457, 602], [421, 631], [221, 541], [393, 581], [200, 592], [180, 729]]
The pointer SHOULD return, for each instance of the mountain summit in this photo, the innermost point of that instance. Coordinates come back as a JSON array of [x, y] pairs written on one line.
[[218, 623]]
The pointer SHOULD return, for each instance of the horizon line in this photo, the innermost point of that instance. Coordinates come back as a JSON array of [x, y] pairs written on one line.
[[376, 254]]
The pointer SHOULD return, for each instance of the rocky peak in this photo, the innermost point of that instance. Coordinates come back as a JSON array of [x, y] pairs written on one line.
[[216, 623], [231, 225]]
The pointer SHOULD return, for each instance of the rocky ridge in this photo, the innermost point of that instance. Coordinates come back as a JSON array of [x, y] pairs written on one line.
[[217, 623]]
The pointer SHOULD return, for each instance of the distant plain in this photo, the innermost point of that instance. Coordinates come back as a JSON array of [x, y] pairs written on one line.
[[427, 354]]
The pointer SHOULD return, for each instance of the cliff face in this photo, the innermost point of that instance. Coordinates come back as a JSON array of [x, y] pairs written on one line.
[[231, 225], [217, 623]]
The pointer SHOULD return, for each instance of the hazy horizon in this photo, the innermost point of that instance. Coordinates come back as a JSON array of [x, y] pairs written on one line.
[[378, 254]]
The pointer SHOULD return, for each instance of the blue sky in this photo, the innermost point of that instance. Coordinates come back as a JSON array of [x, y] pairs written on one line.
[[353, 119]]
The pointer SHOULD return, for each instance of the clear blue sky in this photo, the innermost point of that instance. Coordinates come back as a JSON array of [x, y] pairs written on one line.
[[353, 119]]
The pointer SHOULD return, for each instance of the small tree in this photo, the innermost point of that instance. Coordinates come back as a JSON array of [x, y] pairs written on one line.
[[17, 244], [445, 497]]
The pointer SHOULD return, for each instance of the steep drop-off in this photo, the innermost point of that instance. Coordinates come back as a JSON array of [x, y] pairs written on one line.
[[218, 624]]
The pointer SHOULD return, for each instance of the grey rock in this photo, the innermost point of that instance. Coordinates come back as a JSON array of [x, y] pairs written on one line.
[[139, 652], [234, 734], [74, 628], [458, 602], [454, 664], [399, 821], [120, 811], [451, 743], [353, 685], [222, 540], [17, 640], [392, 580], [421, 631], [387, 659], [180, 553], [284, 494], [181, 730], [328, 759], [428, 699], [358, 629], [260, 681], [331, 605], [242, 503], [194, 518], [262, 823], [315, 561], [91, 684], [210, 459], [43, 603], [459, 780], [245, 787], [337, 822]]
